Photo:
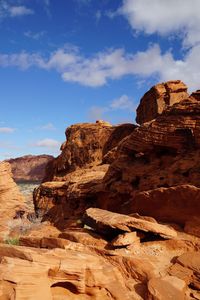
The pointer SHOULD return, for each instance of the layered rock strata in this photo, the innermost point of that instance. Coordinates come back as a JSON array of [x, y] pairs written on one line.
[[152, 169], [158, 98], [76, 175]]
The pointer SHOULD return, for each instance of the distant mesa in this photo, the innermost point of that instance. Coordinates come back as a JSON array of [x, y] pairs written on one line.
[[29, 168]]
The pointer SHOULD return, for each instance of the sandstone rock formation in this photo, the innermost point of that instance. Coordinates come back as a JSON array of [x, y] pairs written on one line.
[[12, 203], [30, 167], [76, 175], [85, 146], [127, 168], [160, 157], [149, 174], [158, 98], [59, 268]]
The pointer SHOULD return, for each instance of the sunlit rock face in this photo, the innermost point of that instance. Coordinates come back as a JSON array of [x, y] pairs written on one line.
[[157, 161], [111, 166], [119, 209], [75, 176], [12, 203], [158, 98]]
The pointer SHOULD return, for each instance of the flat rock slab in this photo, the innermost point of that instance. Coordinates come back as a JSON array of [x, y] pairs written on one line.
[[167, 288], [104, 221]]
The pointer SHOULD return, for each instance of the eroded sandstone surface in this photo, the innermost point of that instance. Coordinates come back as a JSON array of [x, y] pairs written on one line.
[[12, 203], [119, 210]]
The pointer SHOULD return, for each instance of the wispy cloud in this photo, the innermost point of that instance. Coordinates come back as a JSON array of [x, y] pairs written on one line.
[[34, 35], [123, 102], [98, 16], [16, 11], [48, 126], [9, 10], [46, 143], [113, 64], [7, 130]]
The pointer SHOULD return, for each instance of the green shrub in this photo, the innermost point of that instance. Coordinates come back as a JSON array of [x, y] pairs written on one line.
[[12, 241]]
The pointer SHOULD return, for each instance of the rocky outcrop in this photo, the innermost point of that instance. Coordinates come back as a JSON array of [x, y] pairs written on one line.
[[158, 98], [29, 167], [12, 203], [85, 146], [156, 156], [131, 167], [76, 175], [58, 201]]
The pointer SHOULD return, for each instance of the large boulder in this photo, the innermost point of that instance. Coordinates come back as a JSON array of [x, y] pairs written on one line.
[[160, 96], [105, 221]]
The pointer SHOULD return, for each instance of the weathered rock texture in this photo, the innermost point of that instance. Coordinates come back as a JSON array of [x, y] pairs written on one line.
[[152, 169], [11, 201], [104, 221], [76, 175], [76, 266], [29, 167], [85, 146], [158, 161], [158, 98]]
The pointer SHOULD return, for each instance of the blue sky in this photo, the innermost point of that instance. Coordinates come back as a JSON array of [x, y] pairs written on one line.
[[70, 61]]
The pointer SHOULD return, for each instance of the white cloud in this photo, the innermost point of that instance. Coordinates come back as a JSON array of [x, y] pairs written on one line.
[[6, 130], [47, 143], [164, 17], [112, 64], [16, 11], [123, 102]]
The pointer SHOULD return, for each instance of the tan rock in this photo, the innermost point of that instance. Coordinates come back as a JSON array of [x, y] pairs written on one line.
[[155, 101], [167, 288], [43, 274], [12, 203], [83, 148], [126, 239], [191, 261], [105, 221], [181, 272], [60, 200], [85, 237]]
